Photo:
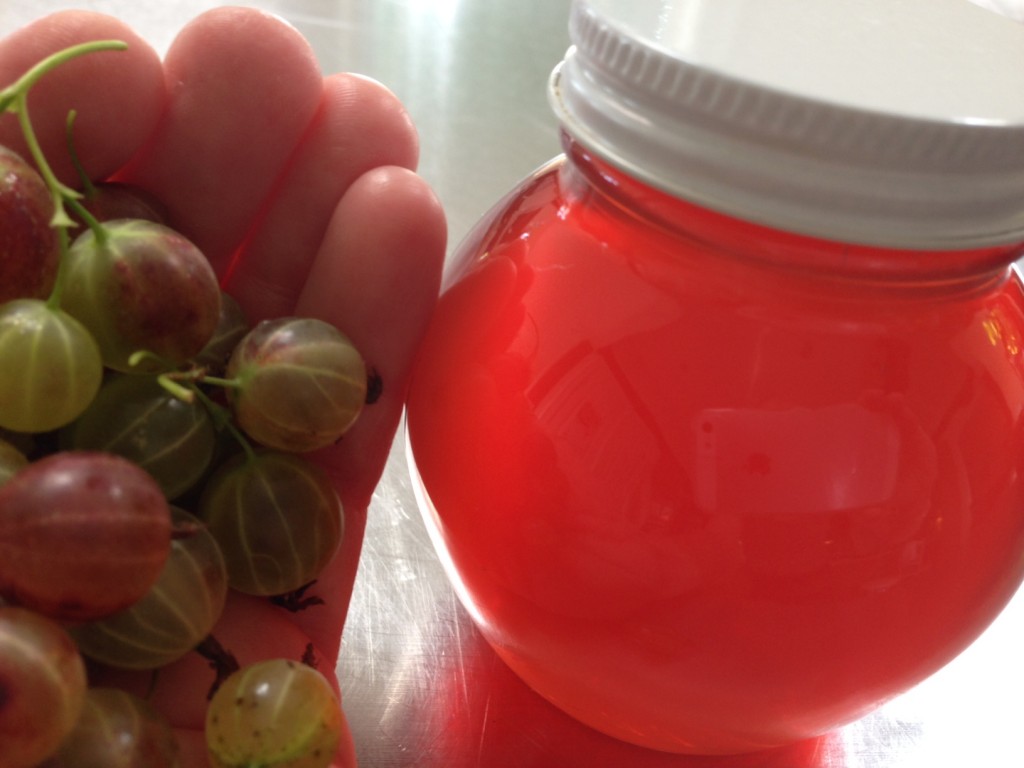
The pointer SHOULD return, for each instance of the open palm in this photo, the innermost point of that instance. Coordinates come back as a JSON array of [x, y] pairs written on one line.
[[301, 190]]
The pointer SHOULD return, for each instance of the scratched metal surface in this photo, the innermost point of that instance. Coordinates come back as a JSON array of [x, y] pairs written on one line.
[[421, 688]]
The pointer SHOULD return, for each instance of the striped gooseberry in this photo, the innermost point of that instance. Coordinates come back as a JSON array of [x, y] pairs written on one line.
[[299, 383], [82, 534], [28, 243], [277, 518], [276, 712], [51, 368], [133, 416], [117, 729], [174, 616], [139, 285], [42, 686]]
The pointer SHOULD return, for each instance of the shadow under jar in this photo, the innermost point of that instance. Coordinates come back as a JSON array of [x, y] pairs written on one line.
[[718, 425]]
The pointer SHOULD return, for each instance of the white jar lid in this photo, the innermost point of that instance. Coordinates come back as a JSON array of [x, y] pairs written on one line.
[[883, 122]]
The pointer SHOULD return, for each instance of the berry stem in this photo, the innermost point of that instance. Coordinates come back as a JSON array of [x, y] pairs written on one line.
[[222, 420], [141, 355], [184, 385], [183, 392], [58, 191], [221, 382], [88, 188], [27, 80], [63, 240], [98, 230], [15, 98]]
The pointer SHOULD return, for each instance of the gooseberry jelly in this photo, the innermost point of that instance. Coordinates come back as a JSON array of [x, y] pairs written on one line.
[[718, 424]]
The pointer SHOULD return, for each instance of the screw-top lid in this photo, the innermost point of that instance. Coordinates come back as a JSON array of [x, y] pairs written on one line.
[[883, 122]]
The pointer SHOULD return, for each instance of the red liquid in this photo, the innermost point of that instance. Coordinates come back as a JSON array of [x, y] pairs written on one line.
[[698, 493]]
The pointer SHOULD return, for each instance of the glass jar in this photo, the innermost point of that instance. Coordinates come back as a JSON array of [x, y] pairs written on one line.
[[718, 424]]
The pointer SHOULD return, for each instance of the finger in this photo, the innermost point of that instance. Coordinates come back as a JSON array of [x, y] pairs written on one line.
[[118, 95], [243, 87], [360, 126], [376, 278]]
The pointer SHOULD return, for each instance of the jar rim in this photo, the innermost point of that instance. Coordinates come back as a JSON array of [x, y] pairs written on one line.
[[646, 86]]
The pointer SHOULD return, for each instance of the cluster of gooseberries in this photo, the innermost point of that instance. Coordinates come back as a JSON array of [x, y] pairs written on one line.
[[151, 460]]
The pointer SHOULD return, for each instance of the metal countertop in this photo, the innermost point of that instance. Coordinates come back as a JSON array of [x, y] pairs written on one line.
[[421, 687]]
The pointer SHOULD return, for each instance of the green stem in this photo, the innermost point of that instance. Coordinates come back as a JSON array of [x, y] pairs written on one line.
[[99, 232], [58, 191], [222, 419], [63, 240], [27, 80], [224, 383], [88, 188], [182, 392], [184, 386], [15, 96], [140, 356]]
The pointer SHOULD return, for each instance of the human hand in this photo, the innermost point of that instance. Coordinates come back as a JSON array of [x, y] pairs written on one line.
[[301, 191]]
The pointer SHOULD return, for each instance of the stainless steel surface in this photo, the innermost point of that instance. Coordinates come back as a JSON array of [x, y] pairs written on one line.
[[420, 686]]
